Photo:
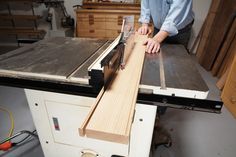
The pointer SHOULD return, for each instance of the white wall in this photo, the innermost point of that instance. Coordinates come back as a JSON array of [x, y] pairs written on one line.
[[69, 6], [200, 8]]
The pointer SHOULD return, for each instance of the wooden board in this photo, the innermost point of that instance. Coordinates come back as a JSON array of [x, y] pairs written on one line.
[[114, 113], [218, 32], [231, 35], [228, 59], [19, 17], [21, 31], [229, 92], [200, 53], [221, 82], [110, 5]]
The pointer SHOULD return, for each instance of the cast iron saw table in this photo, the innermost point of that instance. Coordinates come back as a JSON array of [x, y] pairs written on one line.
[[57, 75]]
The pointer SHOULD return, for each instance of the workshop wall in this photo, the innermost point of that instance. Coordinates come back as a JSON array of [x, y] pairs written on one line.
[[200, 8], [69, 6]]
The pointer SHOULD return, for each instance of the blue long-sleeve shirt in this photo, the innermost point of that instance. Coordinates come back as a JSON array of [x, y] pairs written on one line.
[[167, 15]]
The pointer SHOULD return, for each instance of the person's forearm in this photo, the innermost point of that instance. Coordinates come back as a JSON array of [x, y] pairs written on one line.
[[161, 36]]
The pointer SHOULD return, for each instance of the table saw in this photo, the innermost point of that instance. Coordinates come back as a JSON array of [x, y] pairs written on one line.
[[62, 76]]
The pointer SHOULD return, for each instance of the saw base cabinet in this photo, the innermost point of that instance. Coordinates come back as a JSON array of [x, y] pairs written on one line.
[[100, 23]]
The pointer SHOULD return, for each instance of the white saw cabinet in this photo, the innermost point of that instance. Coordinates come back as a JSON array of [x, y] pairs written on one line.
[[57, 118]]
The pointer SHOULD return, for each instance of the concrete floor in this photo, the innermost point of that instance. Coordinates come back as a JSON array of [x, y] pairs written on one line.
[[195, 134]]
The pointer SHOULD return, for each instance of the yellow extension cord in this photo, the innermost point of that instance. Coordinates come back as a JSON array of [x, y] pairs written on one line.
[[11, 119]]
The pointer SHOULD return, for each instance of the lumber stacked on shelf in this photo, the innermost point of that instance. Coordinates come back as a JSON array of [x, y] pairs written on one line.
[[14, 23], [112, 117], [216, 47], [100, 19]]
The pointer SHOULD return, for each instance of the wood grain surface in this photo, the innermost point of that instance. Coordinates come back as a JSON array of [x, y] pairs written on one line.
[[229, 92], [114, 113]]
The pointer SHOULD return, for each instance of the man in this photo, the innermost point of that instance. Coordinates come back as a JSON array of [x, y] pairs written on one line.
[[172, 19]]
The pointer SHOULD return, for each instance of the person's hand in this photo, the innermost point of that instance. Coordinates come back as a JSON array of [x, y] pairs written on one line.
[[152, 45], [144, 29]]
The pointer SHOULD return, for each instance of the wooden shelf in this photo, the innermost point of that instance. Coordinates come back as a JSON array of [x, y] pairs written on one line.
[[5, 1], [15, 17], [21, 31], [109, 5], [18, 21]]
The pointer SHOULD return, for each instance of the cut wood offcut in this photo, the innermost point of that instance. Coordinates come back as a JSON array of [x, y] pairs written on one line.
[[112, 114]]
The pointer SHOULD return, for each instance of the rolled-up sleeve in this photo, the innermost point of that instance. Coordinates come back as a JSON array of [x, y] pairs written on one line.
[[145, 12], [178, 12]]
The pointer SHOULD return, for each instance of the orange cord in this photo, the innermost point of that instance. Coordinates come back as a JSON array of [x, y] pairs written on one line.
[[5, 146]]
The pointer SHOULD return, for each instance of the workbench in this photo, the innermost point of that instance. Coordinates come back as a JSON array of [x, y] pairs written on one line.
[[54, 73]]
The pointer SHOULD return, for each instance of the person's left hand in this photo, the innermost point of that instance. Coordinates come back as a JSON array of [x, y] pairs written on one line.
[[152, 45]]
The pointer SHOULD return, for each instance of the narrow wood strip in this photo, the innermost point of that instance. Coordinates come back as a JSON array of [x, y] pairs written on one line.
[[85, 123], [228, 58], [14, 17], [229, 93], [221, 82]]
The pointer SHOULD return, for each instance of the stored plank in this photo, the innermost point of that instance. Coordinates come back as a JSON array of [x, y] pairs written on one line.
[[21, 31], [19, 17], [114, 113], [208, 23], [229, 93], [221, 82], [225, 48], [228, 59], [109, 5], [218, 32]]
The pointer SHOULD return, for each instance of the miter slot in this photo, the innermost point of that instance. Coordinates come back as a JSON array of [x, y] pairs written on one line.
[[81, 75], [85, 61]]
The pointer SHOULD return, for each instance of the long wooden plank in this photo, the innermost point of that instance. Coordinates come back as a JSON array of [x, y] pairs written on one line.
[[85, 123], [112, 6], [14, 17], [218, 32], [229, 93], [225, 48], [200, 53], [221, 82], [228, 59], [114, 113]]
